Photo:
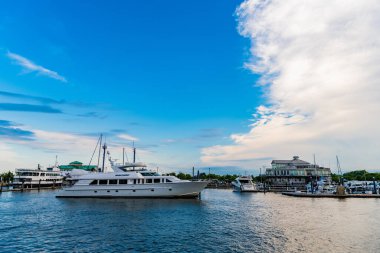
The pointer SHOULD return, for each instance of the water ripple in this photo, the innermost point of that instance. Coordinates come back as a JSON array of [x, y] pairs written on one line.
[[222, 221]]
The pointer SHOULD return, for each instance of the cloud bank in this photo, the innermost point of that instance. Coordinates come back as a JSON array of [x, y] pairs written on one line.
[[30, 66], [319, 66]]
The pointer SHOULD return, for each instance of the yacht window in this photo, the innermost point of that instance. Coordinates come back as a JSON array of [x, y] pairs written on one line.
[[123, 181], [156, 180], [102, 181], [134, 181], [168, 181], [42, 174], [94, 182], [148, 180], [113, 181]]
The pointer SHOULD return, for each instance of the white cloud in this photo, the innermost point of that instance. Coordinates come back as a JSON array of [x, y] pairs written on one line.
[[30, 66], [127, 137], [319, 65]]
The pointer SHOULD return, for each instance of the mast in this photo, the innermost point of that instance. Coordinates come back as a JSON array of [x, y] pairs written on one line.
[[123, 154], [100, 145], [104, 155], [315, 169], [134, 155], [339, 170]]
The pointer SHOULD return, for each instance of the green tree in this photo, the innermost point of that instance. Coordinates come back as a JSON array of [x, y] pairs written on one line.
[[7, 177]]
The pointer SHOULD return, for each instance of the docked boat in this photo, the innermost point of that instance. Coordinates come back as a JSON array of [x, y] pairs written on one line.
[[131, 180], [244, 184], [37, 178]]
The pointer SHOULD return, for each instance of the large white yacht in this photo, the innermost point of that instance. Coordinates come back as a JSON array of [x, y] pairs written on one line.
[[243, 184], [37, 178], [131, 180], [133, 183]]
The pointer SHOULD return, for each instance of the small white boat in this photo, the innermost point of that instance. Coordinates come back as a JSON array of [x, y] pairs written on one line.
[[244, 184]]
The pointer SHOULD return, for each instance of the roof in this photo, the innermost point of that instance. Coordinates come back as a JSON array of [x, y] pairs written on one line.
[[84, 167], [295, 160], [76, 162]]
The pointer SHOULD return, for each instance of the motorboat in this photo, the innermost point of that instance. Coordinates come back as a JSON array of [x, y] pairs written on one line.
[[244, 184], [130, 180]]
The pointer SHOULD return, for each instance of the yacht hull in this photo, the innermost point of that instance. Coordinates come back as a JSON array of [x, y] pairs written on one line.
[[168, 190]]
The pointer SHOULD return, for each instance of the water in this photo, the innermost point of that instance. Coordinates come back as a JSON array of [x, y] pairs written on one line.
[[222, 221]]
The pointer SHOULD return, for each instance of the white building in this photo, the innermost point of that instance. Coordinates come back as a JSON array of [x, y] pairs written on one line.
[[295, 172]]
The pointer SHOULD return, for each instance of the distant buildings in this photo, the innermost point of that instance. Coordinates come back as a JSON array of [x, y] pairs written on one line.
[[295, 173], [77, 165]]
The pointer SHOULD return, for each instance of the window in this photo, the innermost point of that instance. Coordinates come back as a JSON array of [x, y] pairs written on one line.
[[156, 180], [123, 181], [113, 181], [134, 190], [102, 181], [148, 180], [95, 182], [134, 181], [152, 190], [42, 174], [168, 181], [117, 191]]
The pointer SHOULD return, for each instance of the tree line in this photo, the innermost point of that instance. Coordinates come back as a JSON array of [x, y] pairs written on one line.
[[211, 176], [6, 177], [358, 175]]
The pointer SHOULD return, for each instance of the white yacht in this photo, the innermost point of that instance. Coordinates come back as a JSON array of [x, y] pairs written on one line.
[[244, 184], [130, 182], [37, 178]]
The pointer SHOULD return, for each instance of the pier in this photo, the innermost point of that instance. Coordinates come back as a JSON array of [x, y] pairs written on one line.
[[322, 195]]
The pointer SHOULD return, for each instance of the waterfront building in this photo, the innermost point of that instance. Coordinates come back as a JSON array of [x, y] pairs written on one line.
[[295, 173], [77, 165]]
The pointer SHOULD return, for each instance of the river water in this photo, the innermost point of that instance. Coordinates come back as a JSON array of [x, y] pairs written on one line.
[[222, 221]]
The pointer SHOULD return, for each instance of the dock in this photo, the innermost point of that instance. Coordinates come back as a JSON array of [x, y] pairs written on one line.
[[323, 195]]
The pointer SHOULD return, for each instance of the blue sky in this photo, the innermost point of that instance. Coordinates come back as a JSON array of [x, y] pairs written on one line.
[[168, 74]]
